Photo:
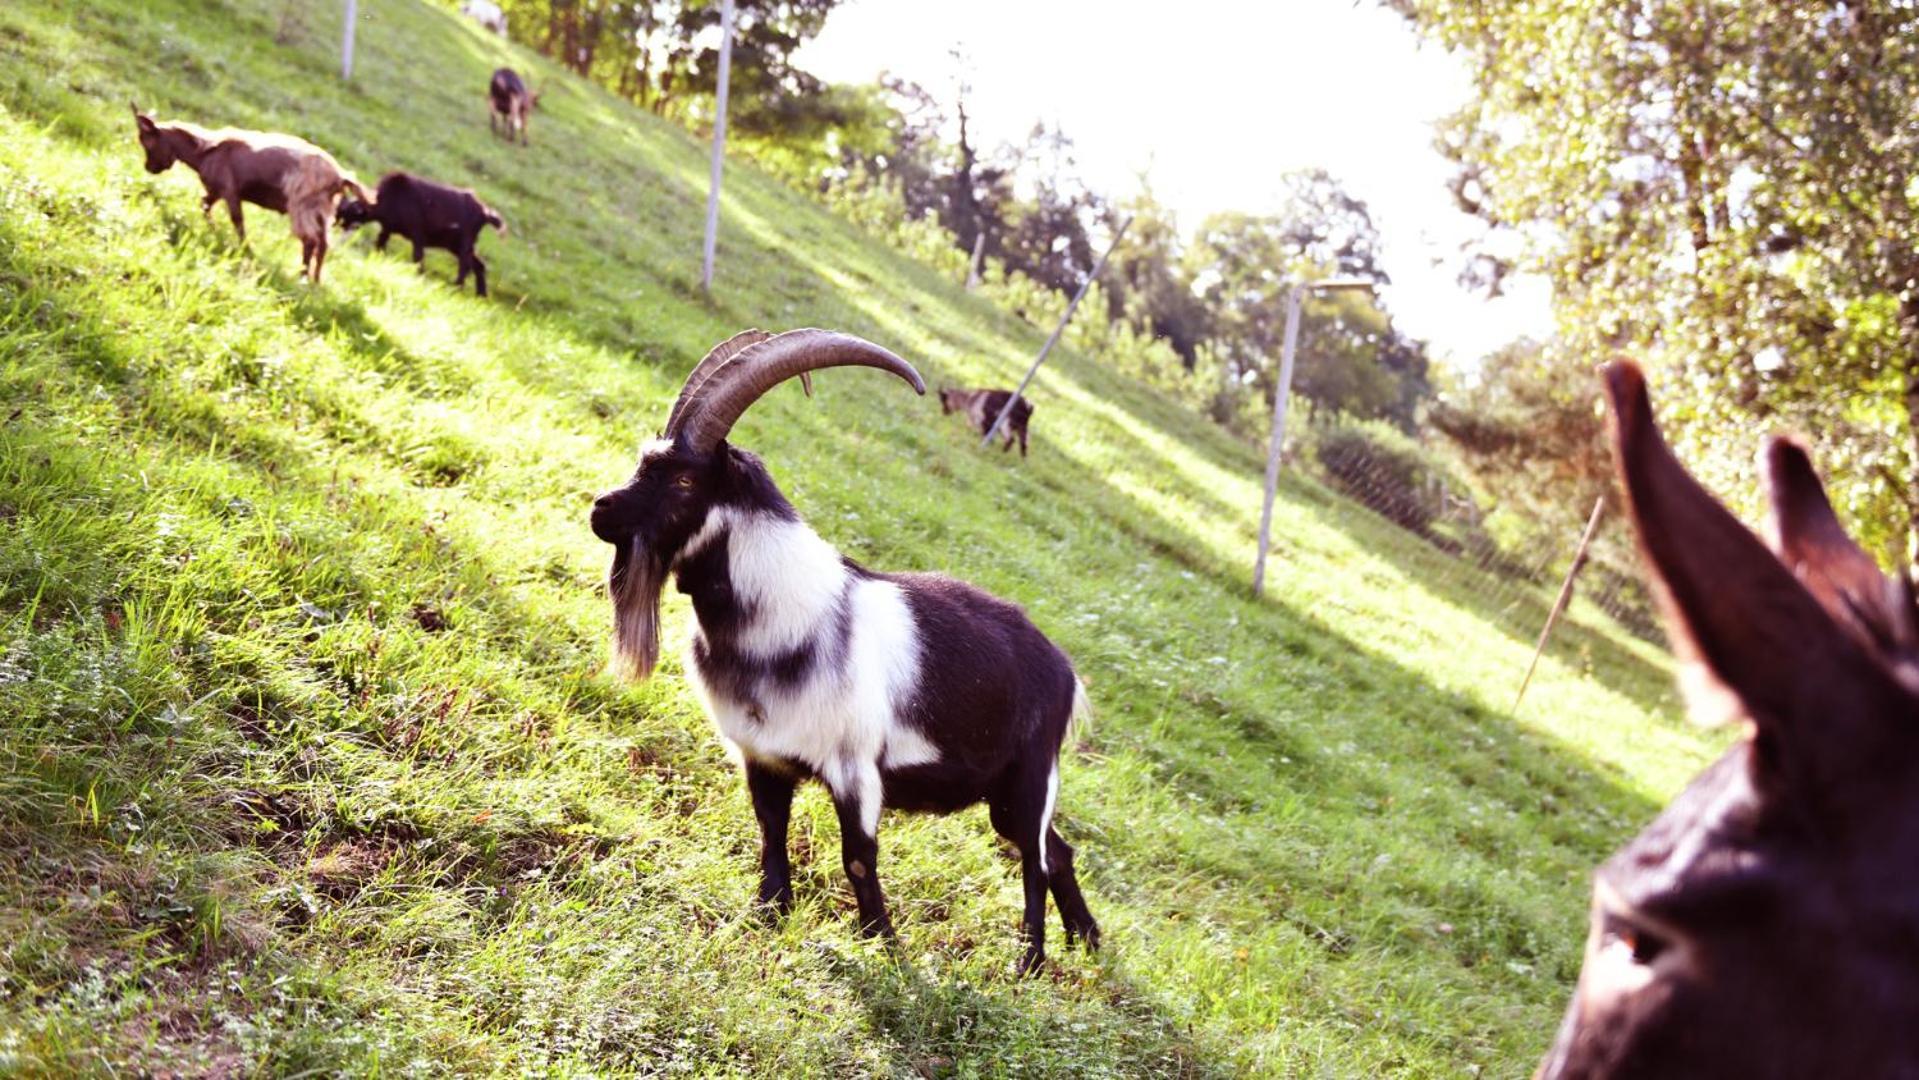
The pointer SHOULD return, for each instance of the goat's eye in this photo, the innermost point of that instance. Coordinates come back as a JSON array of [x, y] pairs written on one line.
[[1644, 945], [684, 481]]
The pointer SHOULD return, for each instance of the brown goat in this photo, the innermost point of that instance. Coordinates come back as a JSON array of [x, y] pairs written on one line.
[[1767, 923], [509, 104], [982, 407], [275, 171]]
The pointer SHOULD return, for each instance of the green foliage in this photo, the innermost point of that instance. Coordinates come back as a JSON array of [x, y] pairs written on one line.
[[1350, 359], [1725, 189], [307, 765], [664, 54]]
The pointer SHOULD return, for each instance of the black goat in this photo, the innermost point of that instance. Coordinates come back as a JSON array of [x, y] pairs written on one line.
[[509, 104], [431, 215], [982, 407], [913, 691]]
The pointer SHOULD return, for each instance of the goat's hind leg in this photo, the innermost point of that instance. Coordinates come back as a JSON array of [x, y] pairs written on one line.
[[1025, 817], [1073, 913]]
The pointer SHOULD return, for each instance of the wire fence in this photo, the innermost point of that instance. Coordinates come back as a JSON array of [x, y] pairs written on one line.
[[1516, 580]]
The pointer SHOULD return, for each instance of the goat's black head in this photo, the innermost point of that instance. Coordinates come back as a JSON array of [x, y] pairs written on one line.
[[1767, 924], [689, 472], [353, 213], [156, 141], [951, 399]]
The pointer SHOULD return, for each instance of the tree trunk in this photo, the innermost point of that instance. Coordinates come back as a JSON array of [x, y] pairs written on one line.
[[1910, 313], [1912, 430]]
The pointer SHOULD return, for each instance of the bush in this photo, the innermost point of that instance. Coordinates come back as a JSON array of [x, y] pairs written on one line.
[[1391, 480]]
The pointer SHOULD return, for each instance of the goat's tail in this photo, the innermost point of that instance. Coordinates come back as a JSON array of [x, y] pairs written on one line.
[[492, 217], [1079, 725]]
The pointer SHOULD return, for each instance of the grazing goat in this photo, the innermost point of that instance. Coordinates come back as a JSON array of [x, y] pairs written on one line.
[[913, 691], [509, 103], [278, 172], [431, 215], [1767, 923], [982, 407], [487, 14]]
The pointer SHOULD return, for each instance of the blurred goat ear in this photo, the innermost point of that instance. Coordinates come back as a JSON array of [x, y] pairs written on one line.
[[1811, 542], [1814, 694]]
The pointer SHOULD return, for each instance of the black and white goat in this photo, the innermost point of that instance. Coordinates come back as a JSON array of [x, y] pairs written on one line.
[[912, 691]]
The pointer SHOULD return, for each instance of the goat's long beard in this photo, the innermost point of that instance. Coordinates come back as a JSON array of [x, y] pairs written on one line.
[[635, 583]]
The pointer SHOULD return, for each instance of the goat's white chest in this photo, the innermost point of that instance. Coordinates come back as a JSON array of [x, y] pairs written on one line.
[[843, 711]]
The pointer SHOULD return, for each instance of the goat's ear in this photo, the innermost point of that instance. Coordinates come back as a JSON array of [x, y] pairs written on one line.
[[1811, 542], [1817, 699]]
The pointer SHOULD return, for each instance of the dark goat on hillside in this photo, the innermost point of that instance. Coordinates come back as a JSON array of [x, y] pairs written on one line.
[[509, 104], [913, 691], [279, 172], [431, 215], [982, 407], [1767, 923]]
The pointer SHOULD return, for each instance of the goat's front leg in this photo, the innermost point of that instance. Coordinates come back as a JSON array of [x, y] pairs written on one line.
[[772, 794], [856, 798]]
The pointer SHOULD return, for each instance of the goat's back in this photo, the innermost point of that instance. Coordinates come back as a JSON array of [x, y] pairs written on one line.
[[506, 88], [988, 674], [983, 407]]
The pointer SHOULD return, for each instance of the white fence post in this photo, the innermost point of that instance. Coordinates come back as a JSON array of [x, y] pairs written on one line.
[[719, 144], [346, 40]]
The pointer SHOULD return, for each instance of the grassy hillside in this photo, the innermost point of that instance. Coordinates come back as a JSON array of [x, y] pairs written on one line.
[[307, 763]]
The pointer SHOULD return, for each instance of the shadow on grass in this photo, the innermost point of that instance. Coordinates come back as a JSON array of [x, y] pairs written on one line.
[[950, 1028]]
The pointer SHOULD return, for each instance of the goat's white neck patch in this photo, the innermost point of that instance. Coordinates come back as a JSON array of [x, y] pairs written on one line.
[[792, 581]]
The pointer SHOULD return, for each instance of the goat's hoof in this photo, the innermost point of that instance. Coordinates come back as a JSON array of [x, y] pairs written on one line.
[[1087, 933], [775, 904], [1031, 963]]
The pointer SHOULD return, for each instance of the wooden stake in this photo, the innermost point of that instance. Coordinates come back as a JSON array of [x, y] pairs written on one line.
[[1565, 598], [979, 256], [1057, 331]]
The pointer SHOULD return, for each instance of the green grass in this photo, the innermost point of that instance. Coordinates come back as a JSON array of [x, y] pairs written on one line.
[[308, 763]]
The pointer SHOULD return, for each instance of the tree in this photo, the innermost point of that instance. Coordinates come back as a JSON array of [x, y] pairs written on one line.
[[664, 54], [1726, 188], [1149, 286], [1245, 265]]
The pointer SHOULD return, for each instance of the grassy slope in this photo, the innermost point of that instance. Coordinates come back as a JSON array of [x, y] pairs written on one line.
[[258, 809]]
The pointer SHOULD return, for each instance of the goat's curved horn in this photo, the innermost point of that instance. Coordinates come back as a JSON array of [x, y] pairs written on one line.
[[760, 367], [704, 370]]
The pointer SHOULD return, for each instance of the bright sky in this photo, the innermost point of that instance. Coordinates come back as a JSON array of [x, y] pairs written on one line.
[[1214, 100]]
